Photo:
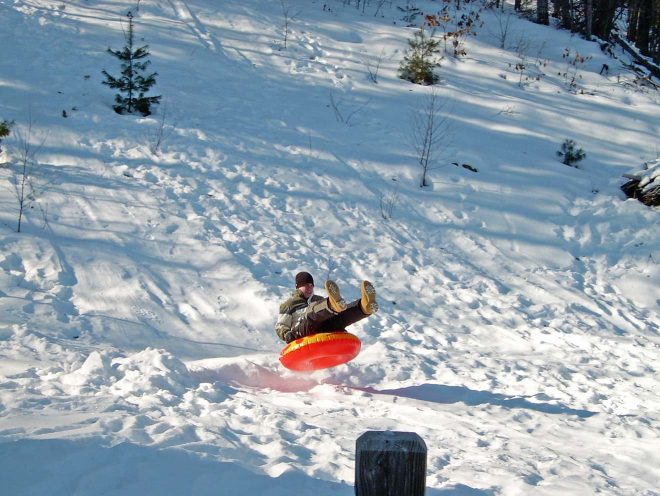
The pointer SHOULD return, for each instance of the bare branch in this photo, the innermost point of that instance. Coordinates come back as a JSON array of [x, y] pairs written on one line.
[[340, 114], [162, 131], [430, 128], [374, 66], [288, 17], [24, 188], [388, 201]]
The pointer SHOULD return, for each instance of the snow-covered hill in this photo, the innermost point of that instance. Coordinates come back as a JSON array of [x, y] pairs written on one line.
[[520, 304]]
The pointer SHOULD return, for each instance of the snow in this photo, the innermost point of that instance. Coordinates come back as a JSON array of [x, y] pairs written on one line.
[[519, 305], [646, 175]]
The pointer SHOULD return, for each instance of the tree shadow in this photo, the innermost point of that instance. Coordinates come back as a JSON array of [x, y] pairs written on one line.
[[90, 466]]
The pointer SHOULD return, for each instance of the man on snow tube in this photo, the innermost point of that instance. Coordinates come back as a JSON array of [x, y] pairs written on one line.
[[305, 313]]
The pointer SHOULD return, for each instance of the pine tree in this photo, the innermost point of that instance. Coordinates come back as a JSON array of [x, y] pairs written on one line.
[[5, 129], [132, 83], [420, 60], [571, 153]]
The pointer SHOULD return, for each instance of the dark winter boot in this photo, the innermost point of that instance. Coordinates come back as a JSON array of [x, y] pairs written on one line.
[[368, 300], [335, 301]]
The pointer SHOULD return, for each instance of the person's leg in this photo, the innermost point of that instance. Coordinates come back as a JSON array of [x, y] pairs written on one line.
[[339, 322], [315, 315], [321, 317]]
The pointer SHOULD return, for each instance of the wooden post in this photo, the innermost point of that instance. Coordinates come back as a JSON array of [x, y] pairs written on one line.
[[390, 463]]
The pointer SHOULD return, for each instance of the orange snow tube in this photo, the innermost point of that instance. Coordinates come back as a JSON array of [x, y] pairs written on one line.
[[320, 351]]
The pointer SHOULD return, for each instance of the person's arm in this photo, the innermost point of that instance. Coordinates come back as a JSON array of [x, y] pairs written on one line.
[[283, 326]]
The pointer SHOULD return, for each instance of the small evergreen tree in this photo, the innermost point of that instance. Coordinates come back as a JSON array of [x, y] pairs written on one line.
[[132, 83], [420, 60], [5, 128], [571, 153]]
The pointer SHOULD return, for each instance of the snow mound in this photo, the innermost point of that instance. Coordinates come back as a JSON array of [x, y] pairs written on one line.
[[96, 370], [146, 378], [150, 375]]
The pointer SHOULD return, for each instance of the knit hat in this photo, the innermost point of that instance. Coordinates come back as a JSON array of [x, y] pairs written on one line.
[[303, 278]]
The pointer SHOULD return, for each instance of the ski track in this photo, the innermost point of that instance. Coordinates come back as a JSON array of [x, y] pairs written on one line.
[[185, 13]]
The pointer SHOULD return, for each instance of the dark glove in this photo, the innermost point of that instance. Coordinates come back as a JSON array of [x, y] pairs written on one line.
[[297, 333]]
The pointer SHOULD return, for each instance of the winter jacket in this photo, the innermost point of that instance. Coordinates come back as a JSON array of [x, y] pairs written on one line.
[[294, 312]]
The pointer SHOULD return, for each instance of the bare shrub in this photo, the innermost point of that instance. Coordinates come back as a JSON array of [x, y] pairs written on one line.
[[287, 18], [342, 114], [389, 200], [23, 171], [430, 128]]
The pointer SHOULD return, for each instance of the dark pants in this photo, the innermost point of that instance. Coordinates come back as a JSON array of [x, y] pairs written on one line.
[[320, 318]]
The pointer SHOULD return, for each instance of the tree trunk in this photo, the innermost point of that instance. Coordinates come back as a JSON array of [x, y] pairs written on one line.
[[565, 14], [518, 5], [555, 9], [589, 17], [603, 14], [633, 16], [653, 69], [644, 25], [542, 16], [654, 41]]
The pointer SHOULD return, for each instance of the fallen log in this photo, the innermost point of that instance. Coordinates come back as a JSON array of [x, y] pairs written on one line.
[[644, 184], [652, 68]]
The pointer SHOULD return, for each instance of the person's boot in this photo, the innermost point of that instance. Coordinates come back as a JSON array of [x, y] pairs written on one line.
[[335, 301], [368, 302]]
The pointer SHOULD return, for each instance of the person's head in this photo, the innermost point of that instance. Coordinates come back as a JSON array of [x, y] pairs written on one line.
[[305, 284]]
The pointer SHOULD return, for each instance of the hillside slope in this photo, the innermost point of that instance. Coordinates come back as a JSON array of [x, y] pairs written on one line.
[[520, 309]]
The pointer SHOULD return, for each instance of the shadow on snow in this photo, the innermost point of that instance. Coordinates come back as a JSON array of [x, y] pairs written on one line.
[[440, 393], [64, 467], [86, 466]]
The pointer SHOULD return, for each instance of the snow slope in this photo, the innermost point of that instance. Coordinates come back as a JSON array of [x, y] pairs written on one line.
[[520, 304]]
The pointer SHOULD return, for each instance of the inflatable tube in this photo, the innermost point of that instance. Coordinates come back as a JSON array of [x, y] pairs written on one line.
[[320, 351]]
